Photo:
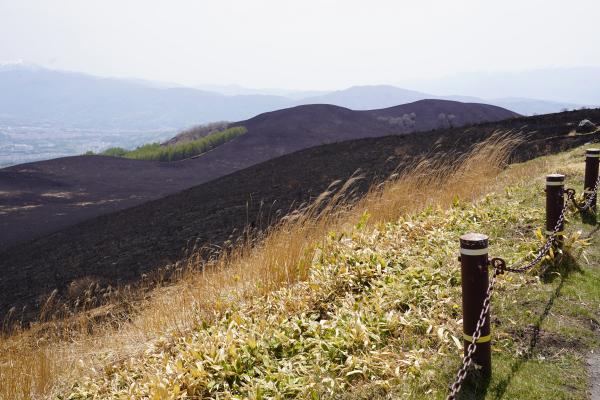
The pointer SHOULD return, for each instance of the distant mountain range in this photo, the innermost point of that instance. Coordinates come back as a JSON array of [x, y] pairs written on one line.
[[35, 96], [369, 97], [41, 97], [571, 85]]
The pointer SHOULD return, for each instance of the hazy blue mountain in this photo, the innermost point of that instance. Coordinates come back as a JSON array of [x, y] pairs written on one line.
[[368, 97], [35, 96], [578, 85], [532, 106], [236, 90], [381, 96], [38, 96], [46, 113]]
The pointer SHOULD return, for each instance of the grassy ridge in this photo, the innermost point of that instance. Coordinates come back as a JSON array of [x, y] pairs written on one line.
[[379, 315], [345, 301], [178, 151], [62, 352]]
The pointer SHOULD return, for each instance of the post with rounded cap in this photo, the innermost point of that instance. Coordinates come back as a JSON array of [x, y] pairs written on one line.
[[592, 158], [555, 201], [475, 280]]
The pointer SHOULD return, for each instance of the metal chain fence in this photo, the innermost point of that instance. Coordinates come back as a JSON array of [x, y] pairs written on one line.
[[589, 201], [499, 267]]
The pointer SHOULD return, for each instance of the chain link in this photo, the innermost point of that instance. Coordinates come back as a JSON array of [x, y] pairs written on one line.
[[468, 358], [499, 266], [545, 248], [589, 201]]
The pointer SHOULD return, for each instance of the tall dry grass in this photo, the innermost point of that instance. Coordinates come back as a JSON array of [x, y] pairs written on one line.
[[39, 362]]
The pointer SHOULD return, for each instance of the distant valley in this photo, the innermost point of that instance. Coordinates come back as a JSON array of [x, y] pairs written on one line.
[[22, 144], [46, 114]]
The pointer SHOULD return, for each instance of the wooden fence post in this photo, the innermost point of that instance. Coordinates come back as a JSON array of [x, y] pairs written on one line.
[[592, 159], [475, 281]]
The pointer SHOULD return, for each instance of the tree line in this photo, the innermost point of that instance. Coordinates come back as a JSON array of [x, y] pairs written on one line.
[[177, 151]]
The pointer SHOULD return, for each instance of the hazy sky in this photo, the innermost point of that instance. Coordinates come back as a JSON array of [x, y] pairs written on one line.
[[303, 44]]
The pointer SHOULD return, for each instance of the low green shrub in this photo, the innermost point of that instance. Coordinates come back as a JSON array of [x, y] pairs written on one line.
[[179, 151], [156, 152], [114, 152]]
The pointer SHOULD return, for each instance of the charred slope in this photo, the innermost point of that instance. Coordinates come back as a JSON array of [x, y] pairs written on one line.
[[119, 247], [44, 197], [434, 114]]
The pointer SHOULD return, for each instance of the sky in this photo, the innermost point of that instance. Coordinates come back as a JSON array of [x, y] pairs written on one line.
[[308, 44]]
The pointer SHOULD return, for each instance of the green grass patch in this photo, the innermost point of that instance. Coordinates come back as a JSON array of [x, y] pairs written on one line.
[[178, 151]]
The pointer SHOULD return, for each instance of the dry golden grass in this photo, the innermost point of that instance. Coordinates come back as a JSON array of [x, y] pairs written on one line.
[[38, 362]]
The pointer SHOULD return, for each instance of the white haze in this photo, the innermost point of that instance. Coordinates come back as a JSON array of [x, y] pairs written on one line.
[[308, 45]]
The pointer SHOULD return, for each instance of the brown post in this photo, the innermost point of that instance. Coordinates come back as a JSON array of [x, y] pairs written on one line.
[[475, 281], [555, 200], [592, 157]]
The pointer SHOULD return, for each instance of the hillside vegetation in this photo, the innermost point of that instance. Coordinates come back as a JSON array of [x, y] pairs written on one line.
[[342, 301], [197, 132], [180, 149], [378, 314], [124, 183]]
